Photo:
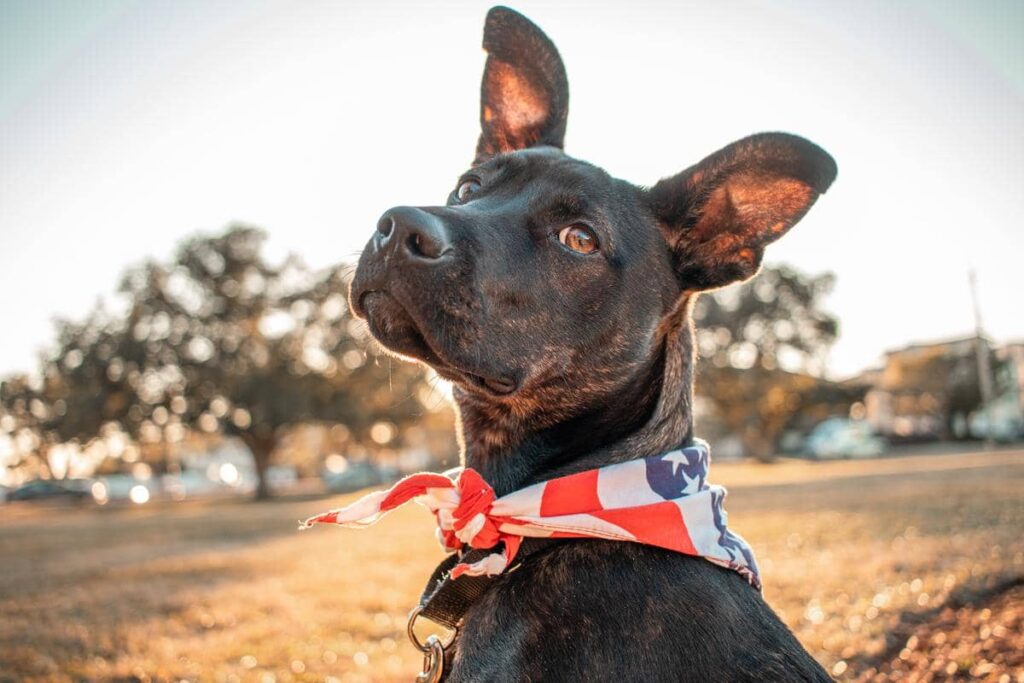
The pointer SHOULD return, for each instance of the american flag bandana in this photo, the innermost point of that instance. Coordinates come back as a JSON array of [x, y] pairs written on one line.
[[663, 500]]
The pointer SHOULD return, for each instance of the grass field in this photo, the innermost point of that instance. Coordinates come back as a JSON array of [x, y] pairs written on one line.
[[900, 569]]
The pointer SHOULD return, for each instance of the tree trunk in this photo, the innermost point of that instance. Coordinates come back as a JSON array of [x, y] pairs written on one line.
[[757, 446], [262, 449]]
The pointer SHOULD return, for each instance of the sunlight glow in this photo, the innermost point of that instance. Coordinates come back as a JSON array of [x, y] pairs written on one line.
[[139, 494]]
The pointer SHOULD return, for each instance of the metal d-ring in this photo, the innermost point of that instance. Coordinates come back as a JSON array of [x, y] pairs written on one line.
[[433, 650], [424, 647]]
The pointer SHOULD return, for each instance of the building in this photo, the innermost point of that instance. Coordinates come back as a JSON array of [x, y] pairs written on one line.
[[1003, 418], [930, 391]]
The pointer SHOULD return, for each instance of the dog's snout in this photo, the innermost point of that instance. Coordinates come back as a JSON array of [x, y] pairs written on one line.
[[416, 234]]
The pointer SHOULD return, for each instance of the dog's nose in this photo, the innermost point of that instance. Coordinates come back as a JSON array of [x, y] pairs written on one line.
[[415, 232]]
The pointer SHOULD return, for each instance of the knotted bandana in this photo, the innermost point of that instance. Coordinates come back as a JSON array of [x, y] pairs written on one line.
[[663, 500]]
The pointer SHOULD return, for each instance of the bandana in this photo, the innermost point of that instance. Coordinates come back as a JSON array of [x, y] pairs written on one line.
[[663, 500]]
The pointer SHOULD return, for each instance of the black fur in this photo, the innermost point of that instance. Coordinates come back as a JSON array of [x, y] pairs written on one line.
[[564, 361]]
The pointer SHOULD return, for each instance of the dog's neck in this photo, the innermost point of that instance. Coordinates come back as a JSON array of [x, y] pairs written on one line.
[[651, 415]]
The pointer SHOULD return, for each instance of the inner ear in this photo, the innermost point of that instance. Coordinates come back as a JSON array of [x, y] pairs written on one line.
[[739, 219], [758, 209], [719, 215], [512, 107], [524, 95]]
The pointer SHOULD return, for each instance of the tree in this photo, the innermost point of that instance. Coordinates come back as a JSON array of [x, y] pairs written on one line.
[[235, 344], [21, 416], [77, 392], [762, 347], [220, 340]]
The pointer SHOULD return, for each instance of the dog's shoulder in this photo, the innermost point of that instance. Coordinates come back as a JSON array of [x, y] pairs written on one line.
[[602, 610]]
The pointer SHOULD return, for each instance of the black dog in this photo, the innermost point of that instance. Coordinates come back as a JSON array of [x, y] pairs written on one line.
[[557, 300]]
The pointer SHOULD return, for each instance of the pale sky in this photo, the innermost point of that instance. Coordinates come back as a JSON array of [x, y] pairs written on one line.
[[127, 125]]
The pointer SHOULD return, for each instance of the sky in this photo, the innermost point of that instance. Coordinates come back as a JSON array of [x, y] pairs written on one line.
[[126, 126]]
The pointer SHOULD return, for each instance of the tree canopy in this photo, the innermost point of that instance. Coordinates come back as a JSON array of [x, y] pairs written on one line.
[[762, 349], [218, 340]]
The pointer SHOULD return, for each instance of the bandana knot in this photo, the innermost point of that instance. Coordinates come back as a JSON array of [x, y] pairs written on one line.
[[470, 522]]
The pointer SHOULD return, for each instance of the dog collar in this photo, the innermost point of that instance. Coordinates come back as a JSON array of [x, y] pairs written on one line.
[[662, 500]]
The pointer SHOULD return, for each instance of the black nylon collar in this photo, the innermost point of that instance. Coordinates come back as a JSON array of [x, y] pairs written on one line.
[[445, 600]]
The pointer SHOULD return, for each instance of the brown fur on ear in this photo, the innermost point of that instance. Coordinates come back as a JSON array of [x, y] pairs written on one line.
[[719, 215], [524, 96]]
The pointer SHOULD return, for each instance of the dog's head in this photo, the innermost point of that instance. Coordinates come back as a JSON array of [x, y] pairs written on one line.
[[542, 284]]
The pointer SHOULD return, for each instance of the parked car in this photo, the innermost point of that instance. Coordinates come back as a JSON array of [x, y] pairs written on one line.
[[123, 487], [49, 489], [839, 437]]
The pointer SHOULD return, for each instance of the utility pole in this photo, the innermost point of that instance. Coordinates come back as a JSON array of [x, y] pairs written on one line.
[[984, 367]]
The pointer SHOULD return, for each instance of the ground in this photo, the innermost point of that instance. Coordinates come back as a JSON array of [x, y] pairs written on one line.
[[897, 569]]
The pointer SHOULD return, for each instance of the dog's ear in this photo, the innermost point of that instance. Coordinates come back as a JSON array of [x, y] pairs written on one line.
[[524, 97], [719, 214]]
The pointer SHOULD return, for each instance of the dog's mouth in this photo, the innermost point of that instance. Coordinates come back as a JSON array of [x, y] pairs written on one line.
[[397, 330]]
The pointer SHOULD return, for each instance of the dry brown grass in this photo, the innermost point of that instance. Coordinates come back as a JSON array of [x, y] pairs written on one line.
[[856, 556]]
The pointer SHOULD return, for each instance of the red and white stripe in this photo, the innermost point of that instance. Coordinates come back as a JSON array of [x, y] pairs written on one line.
[[614, 502]]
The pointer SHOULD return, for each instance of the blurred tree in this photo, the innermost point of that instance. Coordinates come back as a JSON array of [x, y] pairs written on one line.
[[21, 419], [78, 391], [964, 387], [235, 344], [219, 340], [762, 347]]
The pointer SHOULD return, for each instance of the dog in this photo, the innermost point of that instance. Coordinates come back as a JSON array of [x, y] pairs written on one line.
[[557, 301]]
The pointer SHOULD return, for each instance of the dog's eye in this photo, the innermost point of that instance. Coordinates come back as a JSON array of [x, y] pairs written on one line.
[[466, 188], [579, 238]]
